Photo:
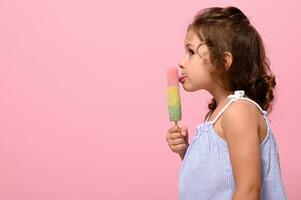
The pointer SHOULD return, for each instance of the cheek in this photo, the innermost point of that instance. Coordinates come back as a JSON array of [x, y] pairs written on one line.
[[206, 61], [209, 66]]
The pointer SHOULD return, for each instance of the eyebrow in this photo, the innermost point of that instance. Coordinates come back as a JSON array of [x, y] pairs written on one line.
[[189, 44]]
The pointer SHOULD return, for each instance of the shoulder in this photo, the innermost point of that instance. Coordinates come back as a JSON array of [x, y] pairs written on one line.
[[240, 117]]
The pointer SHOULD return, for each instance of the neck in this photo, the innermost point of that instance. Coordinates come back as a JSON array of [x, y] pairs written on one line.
[[220, 95]]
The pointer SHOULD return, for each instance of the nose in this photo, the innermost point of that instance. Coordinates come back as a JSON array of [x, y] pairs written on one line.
[[181, 63], [181, 66]]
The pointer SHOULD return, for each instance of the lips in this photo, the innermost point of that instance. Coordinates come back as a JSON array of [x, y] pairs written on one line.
[[182, 78]]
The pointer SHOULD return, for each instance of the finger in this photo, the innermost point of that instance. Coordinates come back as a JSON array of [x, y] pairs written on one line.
[[186, 133], [177, 141], [174, 129], [179, 147], [176, 135], [183, 131]]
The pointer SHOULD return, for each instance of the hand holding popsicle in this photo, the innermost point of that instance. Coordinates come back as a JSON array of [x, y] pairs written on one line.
[[177, 137]]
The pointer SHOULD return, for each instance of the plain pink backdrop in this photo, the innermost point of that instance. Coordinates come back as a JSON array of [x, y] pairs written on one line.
[[83, 102]]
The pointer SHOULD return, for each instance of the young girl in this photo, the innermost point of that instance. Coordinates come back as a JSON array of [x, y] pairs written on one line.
[[234, 154]]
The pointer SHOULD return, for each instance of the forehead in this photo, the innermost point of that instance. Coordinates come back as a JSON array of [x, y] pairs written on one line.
[[192, 37]]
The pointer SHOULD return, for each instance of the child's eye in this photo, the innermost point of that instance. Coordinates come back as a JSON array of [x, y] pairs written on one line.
[[190, 52]]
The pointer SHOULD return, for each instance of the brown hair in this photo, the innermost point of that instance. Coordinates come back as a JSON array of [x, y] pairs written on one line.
[[228, 29]]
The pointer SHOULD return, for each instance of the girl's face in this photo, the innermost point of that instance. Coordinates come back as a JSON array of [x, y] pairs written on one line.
[[195, 65]]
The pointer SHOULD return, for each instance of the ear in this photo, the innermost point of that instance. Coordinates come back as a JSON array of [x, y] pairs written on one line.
[[228, 59]]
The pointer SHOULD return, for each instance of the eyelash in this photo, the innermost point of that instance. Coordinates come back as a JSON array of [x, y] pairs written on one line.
[[190, 52]]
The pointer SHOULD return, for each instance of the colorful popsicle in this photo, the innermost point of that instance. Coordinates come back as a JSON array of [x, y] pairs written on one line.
[[173, 93]]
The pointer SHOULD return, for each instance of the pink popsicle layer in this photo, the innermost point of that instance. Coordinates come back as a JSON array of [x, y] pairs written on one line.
[[172, 77]]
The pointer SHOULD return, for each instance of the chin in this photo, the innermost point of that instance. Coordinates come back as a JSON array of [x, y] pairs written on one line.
[[189, 89]]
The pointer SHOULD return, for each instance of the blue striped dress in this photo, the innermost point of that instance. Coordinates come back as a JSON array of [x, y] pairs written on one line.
[[206, 172]]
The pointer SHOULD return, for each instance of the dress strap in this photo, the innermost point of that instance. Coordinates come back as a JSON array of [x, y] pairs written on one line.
[[238, 94]]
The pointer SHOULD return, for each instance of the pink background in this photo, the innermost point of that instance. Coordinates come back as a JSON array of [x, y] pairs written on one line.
[[83, 103]]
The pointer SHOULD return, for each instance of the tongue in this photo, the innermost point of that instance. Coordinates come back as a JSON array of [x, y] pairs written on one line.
[[181, 78]]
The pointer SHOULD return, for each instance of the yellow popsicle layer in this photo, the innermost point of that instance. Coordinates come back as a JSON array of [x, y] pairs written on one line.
[[174, 103]]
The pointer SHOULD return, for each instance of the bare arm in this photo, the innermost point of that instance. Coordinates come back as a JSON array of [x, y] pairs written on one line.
[[240, 125]]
